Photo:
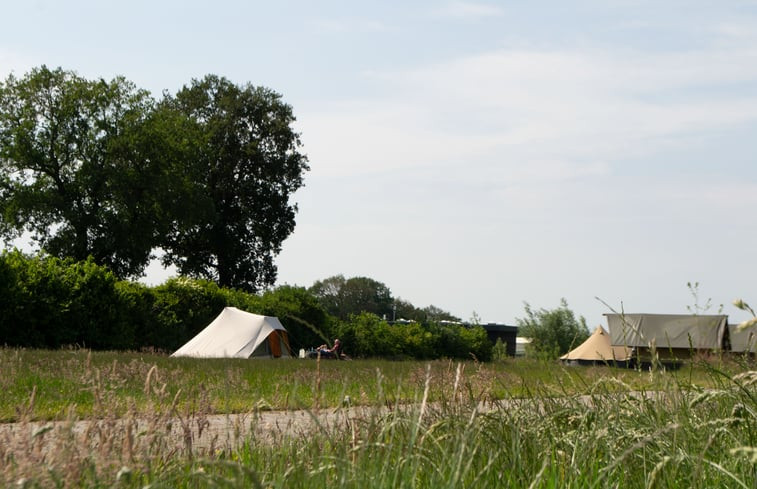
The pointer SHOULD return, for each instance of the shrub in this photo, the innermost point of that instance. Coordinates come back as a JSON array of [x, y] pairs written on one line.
[[49, 302], [552, 332], [183, 307], [499, 351]]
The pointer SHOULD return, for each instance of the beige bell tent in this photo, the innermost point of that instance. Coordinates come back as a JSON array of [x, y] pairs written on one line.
[[678, 334], [597, 348], [238, 334]]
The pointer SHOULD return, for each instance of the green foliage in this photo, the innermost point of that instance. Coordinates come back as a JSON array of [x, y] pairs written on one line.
[[460, 341], [307, 323], [52, 302], [183, 307], [418, 425], [477, 342], [367, 335], [49, 302], [137, 305], [499, 351], [552, 332], [77, 168], [436, 314], [343, 298], [243, 169], [402, 309], [95, 168]]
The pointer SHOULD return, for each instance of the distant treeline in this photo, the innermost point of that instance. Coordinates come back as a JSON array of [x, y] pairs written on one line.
[[47, 302]]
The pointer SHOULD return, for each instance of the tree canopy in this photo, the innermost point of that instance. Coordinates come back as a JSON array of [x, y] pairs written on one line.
[[345, 297], [243, 174], [342, 297], [77, 167], [95, 168]]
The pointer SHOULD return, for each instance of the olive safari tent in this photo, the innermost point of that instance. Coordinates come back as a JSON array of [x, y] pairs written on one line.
[[239, 334], [674, 334], [742, 341]]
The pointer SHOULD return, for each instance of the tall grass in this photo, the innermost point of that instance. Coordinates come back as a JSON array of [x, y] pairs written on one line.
[[422, 426]]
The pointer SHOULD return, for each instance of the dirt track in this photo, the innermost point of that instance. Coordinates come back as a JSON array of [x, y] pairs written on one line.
[[196, 434]]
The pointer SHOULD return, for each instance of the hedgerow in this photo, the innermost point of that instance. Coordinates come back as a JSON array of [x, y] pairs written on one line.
[[47, 302]]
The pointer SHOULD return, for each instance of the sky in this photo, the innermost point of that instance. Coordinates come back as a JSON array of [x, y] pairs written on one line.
[[475, 155]]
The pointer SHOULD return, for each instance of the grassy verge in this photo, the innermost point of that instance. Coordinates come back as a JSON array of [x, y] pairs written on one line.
[[47, 385], [697, 430]]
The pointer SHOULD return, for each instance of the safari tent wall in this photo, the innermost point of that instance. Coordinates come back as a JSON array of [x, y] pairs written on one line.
[[239, 334], [667, 331], [742, 341], [597, 348]]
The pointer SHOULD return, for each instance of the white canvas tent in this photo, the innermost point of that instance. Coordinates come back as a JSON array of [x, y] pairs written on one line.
[[238, 334], [667, 331], [742, 341], [597, 348]]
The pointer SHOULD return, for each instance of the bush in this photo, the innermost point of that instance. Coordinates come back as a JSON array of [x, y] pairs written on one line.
[[48, 302], [367, 335], [183, 307], [477, 342], [499, 351], [552, 332]]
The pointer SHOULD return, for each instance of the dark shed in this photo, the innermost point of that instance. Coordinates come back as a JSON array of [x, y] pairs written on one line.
[[503, 331]]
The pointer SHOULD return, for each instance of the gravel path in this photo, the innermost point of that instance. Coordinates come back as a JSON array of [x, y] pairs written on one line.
[[196, 434]]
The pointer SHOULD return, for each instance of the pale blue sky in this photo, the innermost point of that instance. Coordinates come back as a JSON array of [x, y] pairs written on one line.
[[475, 155]]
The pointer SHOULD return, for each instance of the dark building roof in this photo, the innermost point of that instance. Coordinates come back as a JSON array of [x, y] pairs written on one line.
[[500, 328]]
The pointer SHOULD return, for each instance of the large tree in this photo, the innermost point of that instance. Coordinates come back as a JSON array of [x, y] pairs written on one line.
[[79, 165], [246, 165]]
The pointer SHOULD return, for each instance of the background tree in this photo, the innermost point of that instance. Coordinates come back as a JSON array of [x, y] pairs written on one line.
[[402, 309], [436, 314], [553, 332], [245, 167], [328, 292], [343, 298], [79, 166]]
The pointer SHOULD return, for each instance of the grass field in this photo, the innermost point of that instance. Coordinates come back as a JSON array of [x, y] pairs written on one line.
[[561, 427]]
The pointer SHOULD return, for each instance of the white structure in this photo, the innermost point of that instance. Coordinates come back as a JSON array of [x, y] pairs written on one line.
[[238, 334], [520, 345]]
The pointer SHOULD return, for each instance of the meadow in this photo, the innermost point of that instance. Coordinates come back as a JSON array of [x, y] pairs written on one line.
[[517, 423]]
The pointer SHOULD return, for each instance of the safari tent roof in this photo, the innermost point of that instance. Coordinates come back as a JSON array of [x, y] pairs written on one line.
[[238, 334], [597, 348], [742, 341], [667, 330]]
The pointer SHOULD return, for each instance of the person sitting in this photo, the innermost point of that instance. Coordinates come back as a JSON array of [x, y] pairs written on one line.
[[333, 352]]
